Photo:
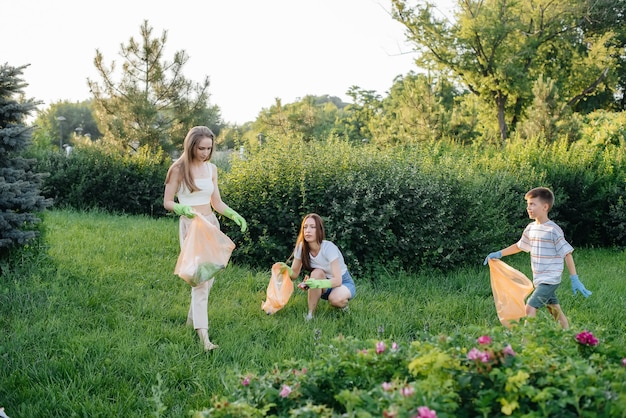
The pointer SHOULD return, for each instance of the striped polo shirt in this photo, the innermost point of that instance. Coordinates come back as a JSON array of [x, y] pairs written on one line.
[[548, 247]]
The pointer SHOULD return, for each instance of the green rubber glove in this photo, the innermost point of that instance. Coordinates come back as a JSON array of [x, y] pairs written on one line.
[[236, 218], [183, 210], [283, 267], [319, 283]]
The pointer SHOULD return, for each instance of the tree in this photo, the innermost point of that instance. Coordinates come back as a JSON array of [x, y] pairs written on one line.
[[309, 118], [497, 48], [418, 108], [62, 122], [609, 15], [153, 104], [544, 117], [355, 122], [20, 197]]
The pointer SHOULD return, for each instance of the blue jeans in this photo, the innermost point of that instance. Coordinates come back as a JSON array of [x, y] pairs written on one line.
[[347, 281]]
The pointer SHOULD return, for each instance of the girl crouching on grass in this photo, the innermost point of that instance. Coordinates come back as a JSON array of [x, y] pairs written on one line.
[[329, 278]]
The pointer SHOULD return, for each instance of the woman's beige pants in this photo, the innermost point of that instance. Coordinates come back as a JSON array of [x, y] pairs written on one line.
[[198, 310]]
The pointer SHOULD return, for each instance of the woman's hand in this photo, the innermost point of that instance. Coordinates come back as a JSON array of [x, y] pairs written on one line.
[[184, 210]]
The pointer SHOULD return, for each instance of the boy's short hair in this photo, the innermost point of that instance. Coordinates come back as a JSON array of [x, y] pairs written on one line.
[[542, 193]]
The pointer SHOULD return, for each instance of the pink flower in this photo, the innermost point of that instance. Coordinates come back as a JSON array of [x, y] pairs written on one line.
[[508, 350], [587, 338], [407, 391], [380, 347], [425, 412], [624, 362], [245, 381], [394, 346], [474, 354], [387, 386], [484, 340], [285, 391]]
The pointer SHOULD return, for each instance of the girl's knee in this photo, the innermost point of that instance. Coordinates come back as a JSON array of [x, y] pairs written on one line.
[[339, 298], [339, 303], [318, 274]]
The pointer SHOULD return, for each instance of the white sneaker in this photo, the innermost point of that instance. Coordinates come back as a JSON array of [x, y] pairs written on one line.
[[308, 316]]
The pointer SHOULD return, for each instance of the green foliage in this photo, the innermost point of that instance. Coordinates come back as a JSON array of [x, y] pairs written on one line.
[[433, 206], [64, 123], [497, 49], [310, 118], [20, 183], [477, 372], [587, 181], [417, 109], [544, 117], [93, 178]]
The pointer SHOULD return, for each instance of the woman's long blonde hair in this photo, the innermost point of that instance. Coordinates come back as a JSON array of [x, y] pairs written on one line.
[[195, 135]]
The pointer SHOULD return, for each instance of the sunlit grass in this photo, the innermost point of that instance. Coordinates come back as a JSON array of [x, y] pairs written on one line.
[[88, 331]]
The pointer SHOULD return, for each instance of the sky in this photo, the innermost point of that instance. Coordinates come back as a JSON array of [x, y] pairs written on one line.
[[253, 51]]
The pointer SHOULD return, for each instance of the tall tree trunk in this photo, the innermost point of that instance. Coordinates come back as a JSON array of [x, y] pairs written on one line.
[[501, 103]]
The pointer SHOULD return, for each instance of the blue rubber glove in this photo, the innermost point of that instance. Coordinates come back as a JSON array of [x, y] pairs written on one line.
[[319, 283], [497, 254], [283, 267], [577, 286], [236, 218], [183, 210]]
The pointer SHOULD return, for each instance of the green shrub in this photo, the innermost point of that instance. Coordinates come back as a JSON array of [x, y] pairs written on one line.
[[381, 208], [536, 370], [91, 178], [587, 179], [435, 206]]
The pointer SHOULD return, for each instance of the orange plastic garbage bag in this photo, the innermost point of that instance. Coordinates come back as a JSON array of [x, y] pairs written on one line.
[[279, 290], [510, 288], [205, 251]]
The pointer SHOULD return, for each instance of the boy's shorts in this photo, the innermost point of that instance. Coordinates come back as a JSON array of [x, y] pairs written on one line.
[[544, 294]]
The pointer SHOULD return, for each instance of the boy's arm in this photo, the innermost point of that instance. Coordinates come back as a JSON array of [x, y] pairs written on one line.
[[569, 262], [577, 286], [512, 249]]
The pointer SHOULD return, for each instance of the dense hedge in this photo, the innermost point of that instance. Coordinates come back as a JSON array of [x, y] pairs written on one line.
[[435, 206], [432, 206], [90, 178], [382, 209]]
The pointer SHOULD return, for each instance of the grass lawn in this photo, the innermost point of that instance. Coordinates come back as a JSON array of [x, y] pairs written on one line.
[[96, 325]]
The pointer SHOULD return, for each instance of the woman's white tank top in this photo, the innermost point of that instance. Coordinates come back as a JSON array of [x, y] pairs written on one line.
[[197, 198]]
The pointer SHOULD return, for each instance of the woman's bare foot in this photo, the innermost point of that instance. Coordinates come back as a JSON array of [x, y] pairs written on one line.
[[204, 338]]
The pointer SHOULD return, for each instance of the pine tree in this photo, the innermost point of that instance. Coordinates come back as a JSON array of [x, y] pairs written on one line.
[[20, 197]]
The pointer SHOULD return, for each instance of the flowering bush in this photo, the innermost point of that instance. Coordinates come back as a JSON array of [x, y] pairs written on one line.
[[534, 370], [587, 341]]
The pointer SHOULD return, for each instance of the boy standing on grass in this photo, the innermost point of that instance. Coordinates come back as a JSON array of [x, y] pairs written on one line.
[[548, 248]]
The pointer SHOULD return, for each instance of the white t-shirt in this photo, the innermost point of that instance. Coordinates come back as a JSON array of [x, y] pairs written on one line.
[[548, 247], [328, 253]]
